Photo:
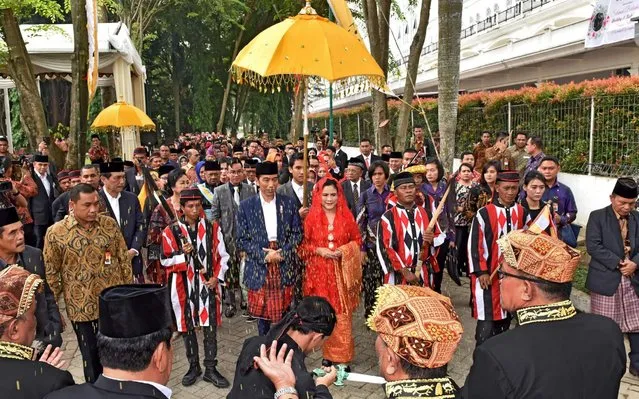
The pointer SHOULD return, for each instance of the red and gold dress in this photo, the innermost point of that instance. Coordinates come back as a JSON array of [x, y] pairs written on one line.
[[338, 281]]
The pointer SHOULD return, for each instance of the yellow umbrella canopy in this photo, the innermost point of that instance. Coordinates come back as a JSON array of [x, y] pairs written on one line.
[[307, 45], [122, 114]]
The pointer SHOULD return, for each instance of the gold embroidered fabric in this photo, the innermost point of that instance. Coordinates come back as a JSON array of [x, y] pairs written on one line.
[[17, 291], [540, 314], [437, 388], [418, 324], [539, 255], [82, 262], [9, 350]]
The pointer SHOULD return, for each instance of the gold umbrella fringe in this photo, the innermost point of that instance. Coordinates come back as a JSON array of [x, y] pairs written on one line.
[[109, 129], [266, 84]]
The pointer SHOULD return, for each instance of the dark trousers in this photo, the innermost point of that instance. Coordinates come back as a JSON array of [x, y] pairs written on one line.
[[210, 339], [634, 350], [461, 243], [39, 231], [489, 328], [263, 326], [372, 279], [441, 261], [86, 332], [29, 235]]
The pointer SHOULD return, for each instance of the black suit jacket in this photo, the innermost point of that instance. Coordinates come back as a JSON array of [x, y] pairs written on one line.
[[373, 159], [41, 204], [604, 245], [60, 207], [131, 222], [582, 357], [341, 159], [35, 379], [108, 388], [348, 193], [131, 182]]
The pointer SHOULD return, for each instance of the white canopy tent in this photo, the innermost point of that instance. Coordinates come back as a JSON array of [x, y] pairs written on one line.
[[50, 48]]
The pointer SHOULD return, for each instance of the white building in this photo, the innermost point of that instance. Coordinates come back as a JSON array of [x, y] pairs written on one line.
[[507, 44]]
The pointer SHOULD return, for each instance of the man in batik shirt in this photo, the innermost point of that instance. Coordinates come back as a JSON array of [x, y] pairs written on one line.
[[403, 239], [194, 255], [489, 224]]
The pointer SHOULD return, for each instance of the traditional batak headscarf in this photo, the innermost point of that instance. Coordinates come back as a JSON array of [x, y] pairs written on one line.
[[403, 178], [17, 292], [418, 324], [539, 255]]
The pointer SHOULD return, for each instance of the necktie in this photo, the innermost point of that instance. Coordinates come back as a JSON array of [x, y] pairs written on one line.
[[623, 226], [236, 195], [368, 164], [356, 193]]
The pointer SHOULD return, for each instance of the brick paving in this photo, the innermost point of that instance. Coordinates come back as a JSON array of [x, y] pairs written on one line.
[[234, 331]]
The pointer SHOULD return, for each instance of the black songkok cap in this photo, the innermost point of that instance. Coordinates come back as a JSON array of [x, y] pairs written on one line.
[[74, 173], [40, 158], [111, 167], [140, 151], [173, 150], [626, 187], [190, 194], [165, 169], [130, 164], [8, 216], [386, 157], [238, 148], [117, 159], [403, 178], [357, 162], [510, 176], [251, 163], [134, 310], [212, 165], [266, 168], [395, 155]]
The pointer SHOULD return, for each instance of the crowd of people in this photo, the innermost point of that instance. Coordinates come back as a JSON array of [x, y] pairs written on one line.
[[290, 238]]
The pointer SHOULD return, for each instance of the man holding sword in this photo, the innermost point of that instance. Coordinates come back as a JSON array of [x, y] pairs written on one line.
[[405, 237], [194, 255]]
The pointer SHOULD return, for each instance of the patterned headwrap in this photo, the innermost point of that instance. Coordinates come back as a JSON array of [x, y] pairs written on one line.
[[418, 324], [539, 255], [17, 292]]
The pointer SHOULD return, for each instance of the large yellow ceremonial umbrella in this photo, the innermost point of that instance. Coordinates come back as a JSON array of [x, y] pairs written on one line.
[[122, 114], [300, 47]]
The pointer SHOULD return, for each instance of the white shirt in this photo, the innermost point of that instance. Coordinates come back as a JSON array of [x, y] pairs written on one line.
[[166, 391], [299, 191], [269, 209], [45, 183], [114, 202]]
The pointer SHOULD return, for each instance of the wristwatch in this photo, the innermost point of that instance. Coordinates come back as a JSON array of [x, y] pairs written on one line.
[[285, 391]]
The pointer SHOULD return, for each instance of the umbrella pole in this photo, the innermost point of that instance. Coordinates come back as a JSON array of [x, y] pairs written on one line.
[[305, 194]]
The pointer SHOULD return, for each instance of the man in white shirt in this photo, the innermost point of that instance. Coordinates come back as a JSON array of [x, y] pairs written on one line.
[[124, 207], [268, 231], [367, 156], [41, 204], [131, 316], [295, 187], [354, 186]]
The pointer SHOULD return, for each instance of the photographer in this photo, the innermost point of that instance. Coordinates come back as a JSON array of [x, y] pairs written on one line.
[[16, 187]]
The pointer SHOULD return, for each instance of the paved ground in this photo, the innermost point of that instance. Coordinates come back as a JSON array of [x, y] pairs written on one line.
[[234, 331]]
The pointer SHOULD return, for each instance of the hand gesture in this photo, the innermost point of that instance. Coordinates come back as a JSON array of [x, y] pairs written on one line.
[[54, 357], [484, 281], [276, 365], [429, 236], [187, 248], [627, 267], [410, 277], [273, 255], [329, 378], [303, 212]]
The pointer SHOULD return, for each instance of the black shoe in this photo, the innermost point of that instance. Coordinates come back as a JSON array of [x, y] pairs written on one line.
[[191, 376], [243, 305], [250, 319], [326, 363], [214, 377], [230, 311], [633, 371]]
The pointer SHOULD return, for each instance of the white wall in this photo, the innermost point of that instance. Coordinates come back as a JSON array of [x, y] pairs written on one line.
[[591, 193]]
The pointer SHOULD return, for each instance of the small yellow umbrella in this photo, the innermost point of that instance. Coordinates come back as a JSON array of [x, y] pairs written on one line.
[[122, 114], [299, 47]]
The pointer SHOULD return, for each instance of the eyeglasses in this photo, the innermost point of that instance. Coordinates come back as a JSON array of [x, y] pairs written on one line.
[[501, 274]]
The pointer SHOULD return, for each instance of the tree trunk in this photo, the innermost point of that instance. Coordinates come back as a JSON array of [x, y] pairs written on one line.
[[79, 88], [297, 119], [450, 18], [227, 90], [411, 75], [20, 69], [377, 17]]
